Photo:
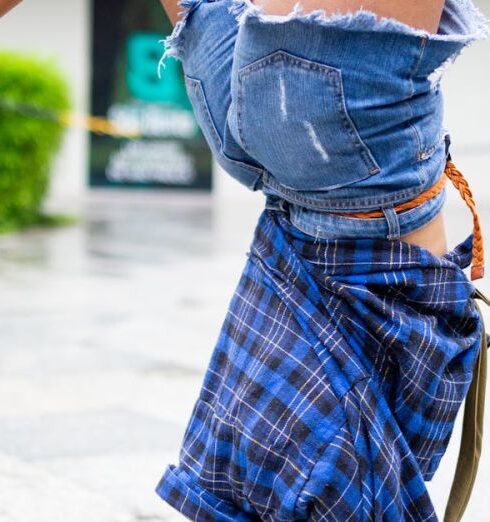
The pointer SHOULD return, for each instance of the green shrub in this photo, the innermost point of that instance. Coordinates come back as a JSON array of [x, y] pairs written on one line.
[[28, 140]]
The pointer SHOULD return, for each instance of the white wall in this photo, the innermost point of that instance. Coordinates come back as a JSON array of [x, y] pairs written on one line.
[[467, 84], [58, 29]]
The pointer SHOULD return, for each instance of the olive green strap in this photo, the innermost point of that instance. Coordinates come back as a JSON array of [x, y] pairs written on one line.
[[471, 439]]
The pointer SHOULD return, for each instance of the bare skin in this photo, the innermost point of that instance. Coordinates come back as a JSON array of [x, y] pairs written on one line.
[[172, 10], [7, 5], [416, 13], [432, 236]]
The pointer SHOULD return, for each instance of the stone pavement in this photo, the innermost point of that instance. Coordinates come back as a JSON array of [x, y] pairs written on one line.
[[107, 328]]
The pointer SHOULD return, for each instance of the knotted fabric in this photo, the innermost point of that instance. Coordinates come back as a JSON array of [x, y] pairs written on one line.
[[333, 388]]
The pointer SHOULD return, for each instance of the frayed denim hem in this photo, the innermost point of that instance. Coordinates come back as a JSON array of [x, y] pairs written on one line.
[[174, 43], [461, 21]]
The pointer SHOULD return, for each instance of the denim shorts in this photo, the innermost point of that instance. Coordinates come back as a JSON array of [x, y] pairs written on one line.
[[324, 113]]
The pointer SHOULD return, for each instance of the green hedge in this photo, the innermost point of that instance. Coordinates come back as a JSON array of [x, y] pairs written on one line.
[[28, 140]]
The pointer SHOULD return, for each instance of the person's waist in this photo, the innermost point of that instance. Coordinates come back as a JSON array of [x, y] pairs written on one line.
[[390, 222]]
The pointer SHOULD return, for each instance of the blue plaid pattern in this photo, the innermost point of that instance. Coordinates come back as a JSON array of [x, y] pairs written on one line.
[[334, 384]]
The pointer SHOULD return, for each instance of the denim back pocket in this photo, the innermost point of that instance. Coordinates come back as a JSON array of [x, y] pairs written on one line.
[[239, 168], [291, 117]]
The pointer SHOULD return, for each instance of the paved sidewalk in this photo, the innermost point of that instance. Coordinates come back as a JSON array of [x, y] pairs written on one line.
[[107, 328]]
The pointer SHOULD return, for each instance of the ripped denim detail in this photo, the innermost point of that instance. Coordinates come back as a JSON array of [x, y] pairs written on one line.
[[461, 21], [173, 44]]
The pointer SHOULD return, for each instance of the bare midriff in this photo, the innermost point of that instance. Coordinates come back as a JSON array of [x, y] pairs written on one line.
[[421, 14], [432, 236]]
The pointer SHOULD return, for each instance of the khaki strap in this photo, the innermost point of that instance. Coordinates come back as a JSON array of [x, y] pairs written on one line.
[[471, 439]]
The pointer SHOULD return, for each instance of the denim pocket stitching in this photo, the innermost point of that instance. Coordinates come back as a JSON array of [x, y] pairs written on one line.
[[427, 152], [243, 142], [350, 125], [196, 84], [342, 203], [281, 55], [334, 77], [424, 153]]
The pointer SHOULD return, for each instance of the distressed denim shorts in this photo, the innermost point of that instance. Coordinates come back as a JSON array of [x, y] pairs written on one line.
[[324, 113]]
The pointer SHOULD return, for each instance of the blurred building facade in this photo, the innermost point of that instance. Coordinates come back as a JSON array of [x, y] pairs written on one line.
[[63, 32]]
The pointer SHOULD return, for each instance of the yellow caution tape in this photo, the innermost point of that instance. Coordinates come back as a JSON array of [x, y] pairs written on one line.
[[95, 124]]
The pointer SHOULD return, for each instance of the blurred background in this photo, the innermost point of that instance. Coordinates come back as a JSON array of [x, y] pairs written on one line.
[[115, 285]]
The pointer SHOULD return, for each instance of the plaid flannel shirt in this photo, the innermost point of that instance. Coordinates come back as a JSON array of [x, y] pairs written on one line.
[[334, 384]]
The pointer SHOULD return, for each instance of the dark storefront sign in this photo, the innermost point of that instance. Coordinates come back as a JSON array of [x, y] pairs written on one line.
[[171, 151]]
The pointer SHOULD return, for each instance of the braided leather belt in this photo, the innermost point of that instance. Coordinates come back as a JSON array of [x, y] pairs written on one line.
[[459, 181]]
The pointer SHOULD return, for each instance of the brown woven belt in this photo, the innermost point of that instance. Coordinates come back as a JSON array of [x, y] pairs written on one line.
[[458, 180]]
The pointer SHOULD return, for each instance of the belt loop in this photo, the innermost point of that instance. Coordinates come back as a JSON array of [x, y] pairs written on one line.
[[284, 206], [447, 141], [393, 223], [271, 202], [276, 203]]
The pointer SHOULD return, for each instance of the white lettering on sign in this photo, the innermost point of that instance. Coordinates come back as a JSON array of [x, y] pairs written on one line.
[[153, 120], [152, 162]]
